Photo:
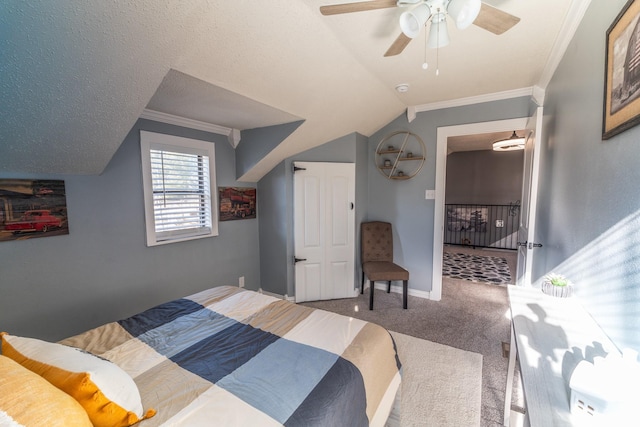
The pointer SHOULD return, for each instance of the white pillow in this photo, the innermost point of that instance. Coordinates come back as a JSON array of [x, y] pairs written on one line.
[[107, 393]]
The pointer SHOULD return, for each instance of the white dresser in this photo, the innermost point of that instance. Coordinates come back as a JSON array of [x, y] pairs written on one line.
[[551, 336]]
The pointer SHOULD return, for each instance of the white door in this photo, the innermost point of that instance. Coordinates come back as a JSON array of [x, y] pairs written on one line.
[[526, 231], [324, 230]]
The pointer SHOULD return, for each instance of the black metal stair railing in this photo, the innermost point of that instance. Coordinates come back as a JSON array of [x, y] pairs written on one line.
[[482, 226]]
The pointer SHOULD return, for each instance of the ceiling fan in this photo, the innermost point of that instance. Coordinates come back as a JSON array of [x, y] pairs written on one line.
[[462, 12]]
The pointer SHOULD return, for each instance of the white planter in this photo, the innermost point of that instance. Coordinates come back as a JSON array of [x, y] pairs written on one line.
[[557, 291]]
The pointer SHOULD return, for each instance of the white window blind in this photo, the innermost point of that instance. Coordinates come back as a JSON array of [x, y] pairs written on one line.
[[178, 181]]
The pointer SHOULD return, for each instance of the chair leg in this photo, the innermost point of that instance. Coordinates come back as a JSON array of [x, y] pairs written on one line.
[[362, 284], [371, 286], [405, 286], [388, 286]]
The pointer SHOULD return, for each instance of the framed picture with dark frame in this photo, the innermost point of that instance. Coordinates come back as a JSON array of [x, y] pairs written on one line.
[[32, 208], [622, 72], [237, 203]]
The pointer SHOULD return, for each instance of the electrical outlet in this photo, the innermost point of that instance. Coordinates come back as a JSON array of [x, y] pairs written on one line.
[[241, 282]]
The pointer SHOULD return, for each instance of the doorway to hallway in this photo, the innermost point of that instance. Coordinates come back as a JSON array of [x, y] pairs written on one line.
[[442, 151]]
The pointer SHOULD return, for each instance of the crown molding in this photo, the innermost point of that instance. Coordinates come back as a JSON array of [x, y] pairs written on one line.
[[233, 135], [460, 102], [538, 95], [572, 20]]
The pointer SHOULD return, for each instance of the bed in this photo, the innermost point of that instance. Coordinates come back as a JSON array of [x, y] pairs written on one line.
[[232, 357]]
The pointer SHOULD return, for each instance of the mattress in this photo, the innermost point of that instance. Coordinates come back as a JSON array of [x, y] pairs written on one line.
[[232, 357]]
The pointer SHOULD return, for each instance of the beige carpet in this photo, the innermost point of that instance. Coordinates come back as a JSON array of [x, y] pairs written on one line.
[[441, 385]]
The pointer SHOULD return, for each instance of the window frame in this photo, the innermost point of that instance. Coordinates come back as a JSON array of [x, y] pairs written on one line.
[[177, 144]]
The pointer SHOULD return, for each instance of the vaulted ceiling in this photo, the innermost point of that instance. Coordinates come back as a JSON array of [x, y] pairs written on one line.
[[76, 75]]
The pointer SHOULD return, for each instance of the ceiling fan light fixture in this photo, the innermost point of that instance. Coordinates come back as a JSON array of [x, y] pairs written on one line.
[[438, 33], [464, 12], [514, 142], [411, 22]]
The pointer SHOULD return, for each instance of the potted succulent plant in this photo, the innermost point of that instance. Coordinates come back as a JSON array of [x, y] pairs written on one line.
[[557, 285]]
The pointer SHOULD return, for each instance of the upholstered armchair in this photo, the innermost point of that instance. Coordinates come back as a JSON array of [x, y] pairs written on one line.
[[376, 250]]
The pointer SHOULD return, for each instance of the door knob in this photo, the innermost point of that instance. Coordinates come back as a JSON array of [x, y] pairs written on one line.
[[529, 245], [296, 260]]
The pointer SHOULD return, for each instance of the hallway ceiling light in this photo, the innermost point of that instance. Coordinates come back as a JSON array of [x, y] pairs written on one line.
[[514, 142]]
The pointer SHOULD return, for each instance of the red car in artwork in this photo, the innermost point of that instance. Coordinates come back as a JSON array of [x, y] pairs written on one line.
[[34, 220]]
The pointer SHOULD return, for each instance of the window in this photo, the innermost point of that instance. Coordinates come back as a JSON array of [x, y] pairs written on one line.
[[178, 175]]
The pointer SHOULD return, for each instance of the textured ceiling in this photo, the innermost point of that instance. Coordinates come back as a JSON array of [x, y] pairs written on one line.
[[77, 74]]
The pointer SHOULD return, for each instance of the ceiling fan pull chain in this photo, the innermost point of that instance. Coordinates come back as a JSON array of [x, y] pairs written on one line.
[[425, 65], [437, 61], [438, 47]]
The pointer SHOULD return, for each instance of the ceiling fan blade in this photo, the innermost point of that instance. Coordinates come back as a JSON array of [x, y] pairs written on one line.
[[335, 9], [495, 20], [398, 45]]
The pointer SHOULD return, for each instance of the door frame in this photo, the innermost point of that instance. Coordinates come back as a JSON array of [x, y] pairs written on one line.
[[443, 133], [531, 178]]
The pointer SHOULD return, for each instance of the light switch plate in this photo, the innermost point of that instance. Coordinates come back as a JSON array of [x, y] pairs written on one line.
[[430, 194]]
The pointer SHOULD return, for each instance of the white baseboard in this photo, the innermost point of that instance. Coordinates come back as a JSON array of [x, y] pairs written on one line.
[[394, 288], [272, 294]]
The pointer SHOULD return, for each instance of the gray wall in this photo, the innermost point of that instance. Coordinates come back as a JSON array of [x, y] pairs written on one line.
[[403, 203], [255, 144], [484, 177], [588, 212], [274, 231], [102, 271], [400, 202]]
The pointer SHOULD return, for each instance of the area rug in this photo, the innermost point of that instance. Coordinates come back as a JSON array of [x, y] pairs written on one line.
[[477, 268], [441, 385]]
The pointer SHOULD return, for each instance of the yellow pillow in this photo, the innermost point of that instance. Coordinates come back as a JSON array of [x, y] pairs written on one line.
[[29, 400], [106, 392]]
